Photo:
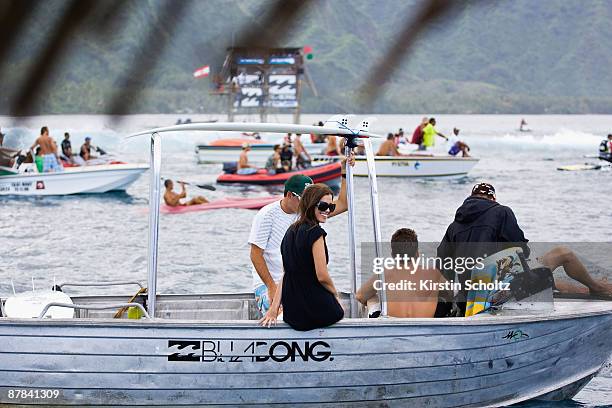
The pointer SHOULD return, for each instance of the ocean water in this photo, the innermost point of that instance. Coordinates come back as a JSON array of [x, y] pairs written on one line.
[[104, 237]]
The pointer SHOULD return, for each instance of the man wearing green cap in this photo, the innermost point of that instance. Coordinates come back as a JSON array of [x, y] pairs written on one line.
[[267, 232]]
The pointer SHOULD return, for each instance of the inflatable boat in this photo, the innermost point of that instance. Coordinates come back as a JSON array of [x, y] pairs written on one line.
[[326, 173]]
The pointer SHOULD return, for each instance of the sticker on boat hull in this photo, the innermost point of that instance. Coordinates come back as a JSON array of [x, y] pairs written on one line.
[[237, 351]]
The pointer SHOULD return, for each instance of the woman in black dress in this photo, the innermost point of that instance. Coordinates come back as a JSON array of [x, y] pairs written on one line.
[[307, 292]]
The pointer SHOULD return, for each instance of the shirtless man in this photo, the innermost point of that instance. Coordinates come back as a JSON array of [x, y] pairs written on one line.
[[243, 162], [332, 148], [173, 199], [302, 157], [48, 151], [412, 302], [388, 147], [86, 150]]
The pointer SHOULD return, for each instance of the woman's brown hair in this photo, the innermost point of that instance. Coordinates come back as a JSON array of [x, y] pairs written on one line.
[[309, 200]]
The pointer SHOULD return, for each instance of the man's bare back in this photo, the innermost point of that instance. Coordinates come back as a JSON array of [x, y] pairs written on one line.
[[47, 145], [417, 302], [413, 302], [388, 148]]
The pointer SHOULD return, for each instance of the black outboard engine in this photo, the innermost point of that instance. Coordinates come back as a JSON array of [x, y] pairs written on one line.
[[230, 167]]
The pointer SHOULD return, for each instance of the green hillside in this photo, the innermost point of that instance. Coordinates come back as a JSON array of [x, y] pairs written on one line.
[[519, 56]]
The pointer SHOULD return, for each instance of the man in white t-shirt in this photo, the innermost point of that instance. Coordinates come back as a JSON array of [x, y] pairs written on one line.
[[267, 233]]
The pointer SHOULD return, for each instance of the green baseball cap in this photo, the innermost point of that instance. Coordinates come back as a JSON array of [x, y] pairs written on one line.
[[296, 184]]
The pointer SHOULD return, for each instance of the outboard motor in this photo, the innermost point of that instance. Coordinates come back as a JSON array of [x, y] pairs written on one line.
[[230, 167], [21, 158]]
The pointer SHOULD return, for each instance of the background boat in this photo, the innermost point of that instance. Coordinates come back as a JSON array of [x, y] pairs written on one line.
[[228, 150], [73, 180], [323, 173]]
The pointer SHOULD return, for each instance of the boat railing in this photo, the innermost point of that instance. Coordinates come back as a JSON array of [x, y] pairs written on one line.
[[96, 307], [109, 283]]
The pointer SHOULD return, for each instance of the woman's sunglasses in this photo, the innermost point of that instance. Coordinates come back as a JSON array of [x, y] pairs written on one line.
[[323, 206]]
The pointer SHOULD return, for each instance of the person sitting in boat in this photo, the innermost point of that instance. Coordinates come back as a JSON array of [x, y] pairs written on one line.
[[243, 162], [399, 137], [605, 149], [48, 151], [457, 145], [286, 156], [415, 302], [388, 147], [302, 157], [306, 291], [273, 165], [85, 152], [173, 199], [493, 227], [429, 134], [332, 148], [268, 229], [417, 135], [316, 138], [67, 148]]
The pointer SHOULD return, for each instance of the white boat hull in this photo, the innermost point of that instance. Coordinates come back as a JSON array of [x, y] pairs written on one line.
[[417, 166], [73, 180], [479, 362]]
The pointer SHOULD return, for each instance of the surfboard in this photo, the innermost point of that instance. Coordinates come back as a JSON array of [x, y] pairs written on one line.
[[579, 167]]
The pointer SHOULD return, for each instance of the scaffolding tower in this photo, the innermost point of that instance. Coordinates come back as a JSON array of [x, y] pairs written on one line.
[[262, 81]]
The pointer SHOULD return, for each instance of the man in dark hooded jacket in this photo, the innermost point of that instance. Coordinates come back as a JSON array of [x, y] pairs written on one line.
[[484, 227], [481, 227]]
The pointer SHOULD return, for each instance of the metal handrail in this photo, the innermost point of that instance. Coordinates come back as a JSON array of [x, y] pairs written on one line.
[[110, 283], [90, 307]]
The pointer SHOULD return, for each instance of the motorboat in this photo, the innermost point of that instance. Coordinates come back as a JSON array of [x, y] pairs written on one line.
[[228, 150], [210, 350], [25, 180], [417, 166], [414, 165], [321, 173]]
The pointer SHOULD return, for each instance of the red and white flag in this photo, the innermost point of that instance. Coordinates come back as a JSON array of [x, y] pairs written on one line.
[[202, 72]]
